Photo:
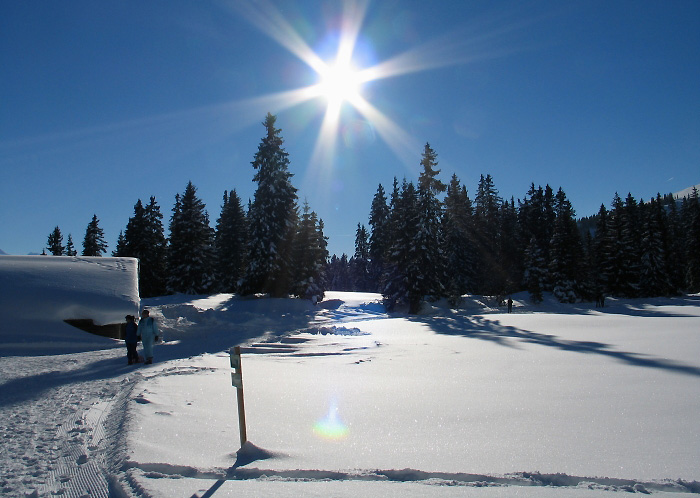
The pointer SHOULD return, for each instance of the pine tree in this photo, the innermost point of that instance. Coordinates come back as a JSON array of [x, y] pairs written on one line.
[[55, 242], [120, 250], [402, 268], [427, 180], [144, 239], [70, 248], [310, 257], [191, 253], [428, 247], [692, 241], [654, 276], [379, 239], [459, 248], [272, 218], [231, 243], [490, 278], [94, 242], [535, 269], [565, 251], [360, 262]]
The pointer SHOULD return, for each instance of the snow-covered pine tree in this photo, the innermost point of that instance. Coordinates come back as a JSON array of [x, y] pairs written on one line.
[[402, 270], [94, 242], [487, 232], [55, 242], [511, 248], [231, 243], [338, 273], [360, 262], [191, 252], [604, 263], [535, 269], [153, 268], [310, 257], [691, 215], [630, 244], [144, 239], [272, 218], [379, 239], [614, 249], [654, 276], [70, 248], [427, 242], [457, 229], [675, 248], [565, 251]]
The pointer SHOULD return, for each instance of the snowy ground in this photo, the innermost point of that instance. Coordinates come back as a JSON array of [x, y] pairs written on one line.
[[345, 400]]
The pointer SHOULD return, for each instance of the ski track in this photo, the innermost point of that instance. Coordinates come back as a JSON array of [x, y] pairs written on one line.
[[60, 442]]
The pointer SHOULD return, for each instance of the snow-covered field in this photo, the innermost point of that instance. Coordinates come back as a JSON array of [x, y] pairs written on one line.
[[343, 399]]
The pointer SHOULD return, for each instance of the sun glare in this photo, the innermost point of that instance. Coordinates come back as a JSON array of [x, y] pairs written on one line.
[[340, 82]]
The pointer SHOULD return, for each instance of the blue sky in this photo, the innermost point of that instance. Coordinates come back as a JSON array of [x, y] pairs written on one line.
[[103, 103]]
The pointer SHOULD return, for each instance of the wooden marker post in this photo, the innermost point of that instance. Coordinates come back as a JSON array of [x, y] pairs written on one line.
[[237, 382]]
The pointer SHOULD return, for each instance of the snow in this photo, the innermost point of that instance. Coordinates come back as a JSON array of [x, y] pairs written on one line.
[[343, 399]]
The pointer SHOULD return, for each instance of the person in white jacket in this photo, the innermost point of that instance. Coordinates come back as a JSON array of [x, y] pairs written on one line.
[[148, 331]]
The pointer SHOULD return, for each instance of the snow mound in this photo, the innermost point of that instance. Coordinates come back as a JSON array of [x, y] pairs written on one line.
[[37, 293], [335, 330]]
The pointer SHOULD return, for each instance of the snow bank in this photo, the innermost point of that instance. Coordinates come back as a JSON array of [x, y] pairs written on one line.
[[37, 293]]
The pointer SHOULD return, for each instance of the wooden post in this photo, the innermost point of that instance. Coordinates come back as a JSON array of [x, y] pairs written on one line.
[[237, 381]]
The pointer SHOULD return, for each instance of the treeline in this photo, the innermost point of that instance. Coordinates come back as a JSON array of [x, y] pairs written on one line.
[[421, 244], [273, 248]]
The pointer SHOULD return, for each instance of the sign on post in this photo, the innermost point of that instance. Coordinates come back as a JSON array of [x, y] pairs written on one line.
[[237, 382]]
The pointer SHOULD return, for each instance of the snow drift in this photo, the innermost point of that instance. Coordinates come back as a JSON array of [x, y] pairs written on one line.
[[37, 293]]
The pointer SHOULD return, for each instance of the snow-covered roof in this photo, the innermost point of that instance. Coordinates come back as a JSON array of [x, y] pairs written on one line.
[[37, 293]]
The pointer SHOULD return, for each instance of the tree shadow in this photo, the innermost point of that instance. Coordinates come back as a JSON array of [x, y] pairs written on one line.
[[207, 336], [483, 328], [639, 307]]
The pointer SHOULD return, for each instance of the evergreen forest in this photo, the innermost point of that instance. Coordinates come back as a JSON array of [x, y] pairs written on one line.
[[426, 240]]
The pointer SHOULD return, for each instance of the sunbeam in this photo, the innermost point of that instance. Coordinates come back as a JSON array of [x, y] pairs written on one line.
[[341, 80]]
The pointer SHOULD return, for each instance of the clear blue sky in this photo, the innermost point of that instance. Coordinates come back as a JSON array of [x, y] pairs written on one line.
[[103, 103]]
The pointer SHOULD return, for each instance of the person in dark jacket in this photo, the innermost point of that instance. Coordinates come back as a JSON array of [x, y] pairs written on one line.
[[131, 339]]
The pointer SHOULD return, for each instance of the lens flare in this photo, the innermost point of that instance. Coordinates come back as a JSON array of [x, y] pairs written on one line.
[[331, 426]]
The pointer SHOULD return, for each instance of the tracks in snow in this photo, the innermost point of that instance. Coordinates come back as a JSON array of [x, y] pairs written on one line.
[[145, 471]]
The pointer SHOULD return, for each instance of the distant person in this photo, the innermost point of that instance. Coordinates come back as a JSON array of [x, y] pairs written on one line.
[[510, 305], [131, 339], [148, 331]]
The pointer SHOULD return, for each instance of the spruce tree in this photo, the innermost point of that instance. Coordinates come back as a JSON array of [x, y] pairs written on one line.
[[535, 270], [654, 275], [70, 248], [457, 227], [402, 269], [691, 216], [231, 243], [191, 253], [120, 250], [360, 262], [565, 252], [427, 245], [55, 242], [310, 257], [144, 239], [427, 180], [94, 242], [379, 239], [487, 232], [272, 218]]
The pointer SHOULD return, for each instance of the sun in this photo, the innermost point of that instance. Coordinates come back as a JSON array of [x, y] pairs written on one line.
[[340, 82]]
